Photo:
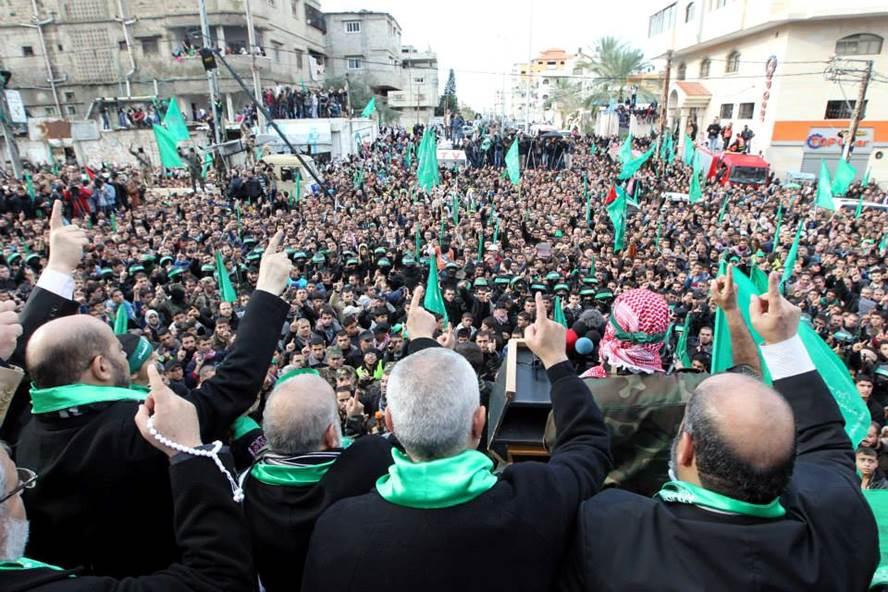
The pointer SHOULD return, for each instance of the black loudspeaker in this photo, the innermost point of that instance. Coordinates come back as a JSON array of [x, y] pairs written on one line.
[[519, 407]]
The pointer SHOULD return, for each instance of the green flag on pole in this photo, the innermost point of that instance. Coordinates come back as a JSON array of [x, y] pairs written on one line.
[[513, 166], [558, 312], [657, 241], [427, 174], [722, 210], [883, 244], [298, 182], [789, 264], [845, 174], [175, 123], [433, 301], [226, 290], [207, 164], [166, 146], [370, 108], [417, 238], [496, 231], [777, 227], [616, 211], [824, 190], [113, 222], [121, 319], [689, 150], [695, 191], [481, 246], [593, 149], [866, 178], [858, 212], [29, 184], [626, 149], [681, 348], [632, 165]]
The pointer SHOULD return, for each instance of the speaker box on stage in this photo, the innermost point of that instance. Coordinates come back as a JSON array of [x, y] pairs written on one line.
[[519, 407]]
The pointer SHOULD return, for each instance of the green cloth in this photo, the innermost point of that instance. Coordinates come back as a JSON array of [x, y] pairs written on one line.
[[723, 209], [558, 315], [139, 356], [226, 290], [75, 395], [830, 367], [682, 346], [293, 374], [290, 476], [427, 172], [682, 492], [436, 484], [789, 264], [207, 164], [824, 190], [695, 191], [689, 150], [616, 211], [25, 563], [513, 166], [175, 123], [858, 211], [370, 108], [166, 146], [883, 244], [121, 320], [626, 149], [29, 184], [845, 174], [588, 197], [243, 425], [878, 501], [777, 227], [667, 149], [433, 301], [631, 166], [866, 178], [113, 222]]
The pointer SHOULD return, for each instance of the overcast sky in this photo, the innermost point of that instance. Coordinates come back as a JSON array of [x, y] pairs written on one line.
[[481, 39]]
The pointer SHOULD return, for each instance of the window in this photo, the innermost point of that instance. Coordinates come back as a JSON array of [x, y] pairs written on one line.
[[27, 51], [294, 8], [49, 111], [60, 47], [352, 26], [271, 3], [419, 80], [121, 45], [704, 68], [661, 21], [682, 71], [353, 62], [315, 18], [859, 44], [276, 48], [727, 111], [69, 96], [842, 109], [70, 110], [689, 12], [733, 63], [298, 56], [716, 4], [745, 110], [149, 46]]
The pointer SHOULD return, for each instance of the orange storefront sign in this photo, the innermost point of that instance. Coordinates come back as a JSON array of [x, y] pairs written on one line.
[[798, 131]]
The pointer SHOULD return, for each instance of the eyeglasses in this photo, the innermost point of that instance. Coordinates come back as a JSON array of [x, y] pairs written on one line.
[[26, 480]]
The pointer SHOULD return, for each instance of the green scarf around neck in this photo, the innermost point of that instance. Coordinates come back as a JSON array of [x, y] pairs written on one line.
[[58, 398], [682, 492], [289, 476], [438, 483], [25, 563]]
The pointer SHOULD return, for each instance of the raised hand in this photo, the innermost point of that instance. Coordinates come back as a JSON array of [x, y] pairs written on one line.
[[723, 291], [420, 322], [10, 329], [274, 269], [173, 417], [772, 315], [65, 242], [545, 337]]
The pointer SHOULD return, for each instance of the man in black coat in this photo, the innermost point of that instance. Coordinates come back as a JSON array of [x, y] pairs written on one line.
[[440, 519], [210, 529], [765, 494], [101, 492], [306, 468]]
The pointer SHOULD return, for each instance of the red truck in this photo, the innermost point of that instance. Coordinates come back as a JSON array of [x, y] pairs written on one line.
[[734, 168]]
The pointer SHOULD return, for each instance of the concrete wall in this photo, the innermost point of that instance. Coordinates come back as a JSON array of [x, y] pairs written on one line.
[[378, 44]]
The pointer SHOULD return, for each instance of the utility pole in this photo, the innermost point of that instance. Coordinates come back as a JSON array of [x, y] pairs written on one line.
[[857, 115], [257, 84], [664, 100], [5, 118], [211, 74]]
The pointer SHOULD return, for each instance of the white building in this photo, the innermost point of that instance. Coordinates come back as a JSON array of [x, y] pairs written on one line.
[[533, 85], [766, 64], [418, 97]]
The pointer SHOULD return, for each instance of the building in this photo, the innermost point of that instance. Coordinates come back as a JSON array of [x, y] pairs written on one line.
[[533, 85], [419, 80], [83, 50], [787, 69], [365, 46]]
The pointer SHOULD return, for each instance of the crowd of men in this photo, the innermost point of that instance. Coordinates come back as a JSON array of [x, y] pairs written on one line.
[[368, 392]]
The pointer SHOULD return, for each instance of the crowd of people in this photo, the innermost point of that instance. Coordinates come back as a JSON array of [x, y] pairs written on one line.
[[327, 378]]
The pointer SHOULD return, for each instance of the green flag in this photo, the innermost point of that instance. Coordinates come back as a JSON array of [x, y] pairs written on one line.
[[631, 166], [626, 149], [297, 180], [427, 174], [682, 346], [29, 184], [588, 197], [789, 264], [417, 238], [481, 246], [166, 146], [845, 174], [113, 222], [657, 241], [883, 244], [433, 301], [777, 227], [878, 502], [667, 149], [695, 192], [593, 149], [824, 190], [175, 123], [207, 164], [558, 312], [512, 163], [759, 278], [616, 211], [866, 178], [858, 212], [226, 290], [455, 210], [496, 230], [689, 151], [121, 320], [722, 210], [370, 108], [358, 179]]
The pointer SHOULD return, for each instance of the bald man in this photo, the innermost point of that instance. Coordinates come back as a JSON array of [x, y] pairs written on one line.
[[763, 495], [103, 491], [307, 467]]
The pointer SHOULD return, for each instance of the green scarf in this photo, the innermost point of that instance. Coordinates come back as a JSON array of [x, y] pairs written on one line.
[[25, 563], [290, 476], [682, 492], [438, 483], [75, 395]]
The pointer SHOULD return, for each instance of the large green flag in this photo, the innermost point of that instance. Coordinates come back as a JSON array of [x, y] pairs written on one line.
[[845, 174], [207, 164], [513, 166], [631, 166], [433, 301], [29, 184], [616, 211], [370, 108], [878, 501], [824, 190], [226, 290], [777, 227], [427, 174], [558, 312], [723, 209], [790, 262], [175, 123], [682, 345], [830, 367], [858, 212], [121, 320], [689, 151], [695, 191], [166, 146], [626, 149], [670, 149], [866, 178]]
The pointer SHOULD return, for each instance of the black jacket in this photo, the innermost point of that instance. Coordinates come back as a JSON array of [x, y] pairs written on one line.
[[282, 518], [826, 541], [210, 531], [103, 490], [512, 537]]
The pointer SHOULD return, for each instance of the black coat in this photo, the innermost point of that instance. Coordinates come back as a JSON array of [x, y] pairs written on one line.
[[826, 541], [512, 537], [210, 531], [282, 518], [103, 493]]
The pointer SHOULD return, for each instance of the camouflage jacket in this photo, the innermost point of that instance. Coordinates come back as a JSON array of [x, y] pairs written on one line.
[[642, 413]]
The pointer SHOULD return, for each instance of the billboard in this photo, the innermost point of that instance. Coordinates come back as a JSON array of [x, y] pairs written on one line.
[[826, 140]]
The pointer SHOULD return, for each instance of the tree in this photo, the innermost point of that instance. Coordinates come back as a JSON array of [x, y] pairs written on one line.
[[566, 98], [359, 94], [448, 100], [612, 63]]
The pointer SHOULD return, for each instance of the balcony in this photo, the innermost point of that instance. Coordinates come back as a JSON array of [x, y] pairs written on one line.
[[192, 67]]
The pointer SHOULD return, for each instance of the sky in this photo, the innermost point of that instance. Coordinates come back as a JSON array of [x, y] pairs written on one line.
[[482, 39]]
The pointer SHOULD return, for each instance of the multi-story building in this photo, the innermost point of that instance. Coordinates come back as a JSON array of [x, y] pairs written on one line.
[[69, 53], [366, 46], [533, 83], [787, 69], [418, 98]]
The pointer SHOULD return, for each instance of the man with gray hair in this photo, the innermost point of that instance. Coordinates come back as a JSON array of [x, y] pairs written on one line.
[[441, 519], [306, 468]]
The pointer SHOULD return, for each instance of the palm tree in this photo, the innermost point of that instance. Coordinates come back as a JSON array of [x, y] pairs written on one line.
[[565, 97], [612, 63]]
